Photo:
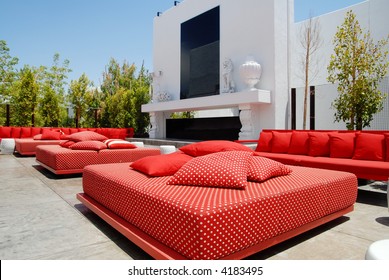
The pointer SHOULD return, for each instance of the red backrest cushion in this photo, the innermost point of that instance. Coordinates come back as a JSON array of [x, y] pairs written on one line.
[[65, 130], [319, 144], [280, 142], [161, 165], [5, 132], [15, 132], [342, 145], [73, 130], [51, 135], [35, 131], [26, 132], [264, 142], [387, 146], [212, 146], [369, 147], [299, 143]]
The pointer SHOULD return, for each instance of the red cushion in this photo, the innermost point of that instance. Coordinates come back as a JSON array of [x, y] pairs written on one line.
[[224, 169], [262, 168], [26, 132], [341, 145], [15, 132], [212, 146], [387, 146], [88, 145], [51, 135], [86, 136], [319, 144], [5, 132], [299, 143], [119, 144], [161, 165], [280, 142], [37, 137], [35, 131], [66, 143], [65, 130], [73, 130], [369, 147], [264, 142]]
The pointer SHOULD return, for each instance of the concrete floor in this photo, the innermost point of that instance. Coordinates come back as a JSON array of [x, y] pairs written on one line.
[[40, 218]]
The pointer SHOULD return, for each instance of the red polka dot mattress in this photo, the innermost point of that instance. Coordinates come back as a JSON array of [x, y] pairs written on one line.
[[215, 223], [61, 160]]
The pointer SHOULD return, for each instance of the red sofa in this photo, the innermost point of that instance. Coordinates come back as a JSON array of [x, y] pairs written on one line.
[[208, 218], [364, 153], [27, 138]]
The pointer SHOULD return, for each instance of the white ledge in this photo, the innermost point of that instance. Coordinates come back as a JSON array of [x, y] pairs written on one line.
[[226, 100]]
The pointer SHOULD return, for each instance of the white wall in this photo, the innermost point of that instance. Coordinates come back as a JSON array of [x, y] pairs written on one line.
[[247, 27], [372, 15]]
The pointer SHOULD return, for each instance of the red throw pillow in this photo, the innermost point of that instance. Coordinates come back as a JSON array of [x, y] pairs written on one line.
[[213, 146], [369, 147], [261, 169], [319, 144], [65, 130], [37, 137], [161, 165], [66, 143], [88, 145], [264, 142], [119, 144], [224, 169], [280, 142], [342, 144], [5, 132], [86, 136], [299, 143], [26, 132], [51, 135], [35, 131]]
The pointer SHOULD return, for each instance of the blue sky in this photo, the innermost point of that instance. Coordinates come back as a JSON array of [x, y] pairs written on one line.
[[90, 32]]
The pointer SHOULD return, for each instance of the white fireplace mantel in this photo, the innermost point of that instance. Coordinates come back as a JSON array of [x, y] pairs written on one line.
[[227, 100], [242, 100]]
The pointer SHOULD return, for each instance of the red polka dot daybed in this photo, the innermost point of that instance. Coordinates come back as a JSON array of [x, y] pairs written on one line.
[[213, 200], [86, 148]]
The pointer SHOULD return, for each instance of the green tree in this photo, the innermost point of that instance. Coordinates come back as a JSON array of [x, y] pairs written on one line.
[[25, 98], [358, 65], [80, 97], [124, 92], [52, 107], [8, 74]]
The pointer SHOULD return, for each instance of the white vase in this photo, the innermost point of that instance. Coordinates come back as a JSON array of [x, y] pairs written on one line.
[[250, 73]]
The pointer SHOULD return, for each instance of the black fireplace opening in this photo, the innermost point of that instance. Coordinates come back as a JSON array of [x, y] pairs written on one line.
[[218, 128], [200, 55]]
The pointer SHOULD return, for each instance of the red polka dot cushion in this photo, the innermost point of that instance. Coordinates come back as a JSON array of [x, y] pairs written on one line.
[[86, 136], [224, 169], [119, 144], [261, 169], [66, 143], [161, 165], [88, 145], [213, 146]]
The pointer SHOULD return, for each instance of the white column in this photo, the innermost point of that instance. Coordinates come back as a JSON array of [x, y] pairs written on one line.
[[246, 119]]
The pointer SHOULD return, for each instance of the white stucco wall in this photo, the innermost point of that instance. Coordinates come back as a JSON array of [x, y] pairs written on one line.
[[247, 27]]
